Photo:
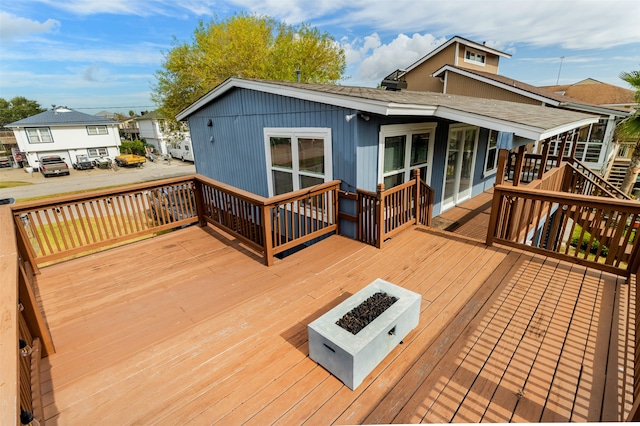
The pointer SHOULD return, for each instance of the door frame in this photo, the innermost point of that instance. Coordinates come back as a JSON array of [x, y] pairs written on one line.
[[456, 200]]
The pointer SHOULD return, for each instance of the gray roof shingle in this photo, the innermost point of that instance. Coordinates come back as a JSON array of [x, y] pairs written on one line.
[[61, 116]]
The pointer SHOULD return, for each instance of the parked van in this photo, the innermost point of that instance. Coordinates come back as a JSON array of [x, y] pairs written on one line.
[[182, 152]]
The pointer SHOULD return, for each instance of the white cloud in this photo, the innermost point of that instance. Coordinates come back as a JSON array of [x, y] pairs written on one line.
[[375, 60], [13, 27]]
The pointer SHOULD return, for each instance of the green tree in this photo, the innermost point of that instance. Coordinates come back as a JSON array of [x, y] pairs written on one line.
[[247, 46], [18, 108], [629, 129]]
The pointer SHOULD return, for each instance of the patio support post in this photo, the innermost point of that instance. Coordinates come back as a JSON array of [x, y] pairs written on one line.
[[517, 173], [493, 217], [503, 154], [574, 146], [416, 204], [545, 157], [563, 144], [380, 214], [268, 235]]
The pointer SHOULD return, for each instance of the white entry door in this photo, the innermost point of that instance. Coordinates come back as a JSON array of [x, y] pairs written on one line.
[[461, 157]]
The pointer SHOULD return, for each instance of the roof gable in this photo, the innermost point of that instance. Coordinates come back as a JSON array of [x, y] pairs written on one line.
[[461, 40], [528, 121], [61, 116]]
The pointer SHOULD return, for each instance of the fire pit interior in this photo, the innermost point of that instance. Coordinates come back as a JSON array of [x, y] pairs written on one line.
[[352, 338], [360, 316]]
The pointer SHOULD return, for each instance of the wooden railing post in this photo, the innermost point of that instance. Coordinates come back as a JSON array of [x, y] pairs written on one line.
[[493, 218], [503, 155], [198, 192], [416, 177], [517, 173], [380, 214], [545, 157], [268, 235]]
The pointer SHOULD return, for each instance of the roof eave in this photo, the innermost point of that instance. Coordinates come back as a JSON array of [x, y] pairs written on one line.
[[519, 129], [594, 109]]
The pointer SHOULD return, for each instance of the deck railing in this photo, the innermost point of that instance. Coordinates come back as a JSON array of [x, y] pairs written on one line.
[[23, 334], [584, 224], [384, 213], [271, 225]]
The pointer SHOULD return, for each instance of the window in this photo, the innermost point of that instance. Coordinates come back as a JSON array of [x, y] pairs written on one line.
[[491, 160], [39, 135], [97, 152], [474, 57], [97, 130], [297, 158], [403, 148]]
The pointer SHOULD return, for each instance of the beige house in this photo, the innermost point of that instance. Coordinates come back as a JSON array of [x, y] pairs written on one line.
[[463, 67]]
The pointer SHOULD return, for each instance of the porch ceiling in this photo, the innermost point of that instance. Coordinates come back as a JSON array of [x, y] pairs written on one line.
[[526, 121]]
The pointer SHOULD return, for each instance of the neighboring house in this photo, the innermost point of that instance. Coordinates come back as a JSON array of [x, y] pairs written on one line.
[[608, 96], [155, 131], [270, 138], [598, 93], [462, 67], [129, 128], [67, 133]]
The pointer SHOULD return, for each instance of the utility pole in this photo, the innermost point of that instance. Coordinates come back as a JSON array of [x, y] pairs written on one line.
[[561, 59]]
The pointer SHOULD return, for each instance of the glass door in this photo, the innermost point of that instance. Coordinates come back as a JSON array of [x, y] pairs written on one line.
[[461, 153]]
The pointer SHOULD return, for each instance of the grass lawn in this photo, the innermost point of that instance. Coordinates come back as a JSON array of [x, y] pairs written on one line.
[[13, 184]]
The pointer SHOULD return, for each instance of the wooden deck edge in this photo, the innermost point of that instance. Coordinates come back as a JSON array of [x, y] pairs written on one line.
[[36, 390]]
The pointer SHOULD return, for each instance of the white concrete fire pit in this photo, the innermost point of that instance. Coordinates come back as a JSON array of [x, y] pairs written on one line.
[[351, 357]]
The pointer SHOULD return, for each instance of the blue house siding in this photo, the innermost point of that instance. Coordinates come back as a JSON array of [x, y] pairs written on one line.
[[232, 150]]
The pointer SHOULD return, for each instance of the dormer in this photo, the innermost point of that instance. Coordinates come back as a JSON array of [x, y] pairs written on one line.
[[457, 51]]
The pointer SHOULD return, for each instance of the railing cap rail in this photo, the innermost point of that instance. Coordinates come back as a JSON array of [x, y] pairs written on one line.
[[601, 202], [85, 196]]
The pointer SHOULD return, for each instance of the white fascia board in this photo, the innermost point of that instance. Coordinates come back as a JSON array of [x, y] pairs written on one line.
[[410, 109], [523, 130], [513, 89], [567, 127]]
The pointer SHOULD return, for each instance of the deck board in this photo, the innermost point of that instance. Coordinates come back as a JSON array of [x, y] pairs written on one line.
[[197, 331]]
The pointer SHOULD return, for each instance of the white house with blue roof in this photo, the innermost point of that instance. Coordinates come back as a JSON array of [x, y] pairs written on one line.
[[67, 133]]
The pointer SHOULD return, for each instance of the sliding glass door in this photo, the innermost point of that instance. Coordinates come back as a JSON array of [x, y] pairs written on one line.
[[460, 161]]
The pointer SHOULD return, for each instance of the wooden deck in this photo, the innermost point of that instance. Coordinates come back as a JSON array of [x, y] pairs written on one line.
[[187, 328]]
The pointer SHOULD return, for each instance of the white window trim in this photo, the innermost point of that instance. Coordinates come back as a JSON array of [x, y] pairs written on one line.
[[98, 129], [106, 152], [295, 133], [408, 130], [40, 130], [494, 170], [476, 53]]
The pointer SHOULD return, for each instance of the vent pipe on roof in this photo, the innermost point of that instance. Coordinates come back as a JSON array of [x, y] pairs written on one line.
[[298, 72]]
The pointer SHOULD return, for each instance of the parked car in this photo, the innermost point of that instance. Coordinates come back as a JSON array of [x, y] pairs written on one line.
[[130, 160], [102, 162], [6, 201], [83, 163], [53, 165], [183, 152], [5, 162]]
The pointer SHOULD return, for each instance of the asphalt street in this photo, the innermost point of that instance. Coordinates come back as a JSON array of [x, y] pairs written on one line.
[[82, 180]]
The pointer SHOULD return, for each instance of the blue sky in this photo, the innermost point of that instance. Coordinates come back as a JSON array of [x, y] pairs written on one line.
[[102, 55]]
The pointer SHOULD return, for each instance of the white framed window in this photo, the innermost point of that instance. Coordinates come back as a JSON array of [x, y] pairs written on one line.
[[297, 158], [475, 57], [97, 152], [403, 148], [97, 130], [491, 158], [39, 135]]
